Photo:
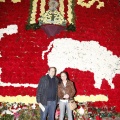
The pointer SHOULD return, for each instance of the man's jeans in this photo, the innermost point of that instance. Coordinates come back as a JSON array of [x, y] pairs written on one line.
[[49, 110], [63, 106]]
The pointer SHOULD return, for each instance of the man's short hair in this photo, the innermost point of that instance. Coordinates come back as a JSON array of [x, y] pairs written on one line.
[[53, 68]]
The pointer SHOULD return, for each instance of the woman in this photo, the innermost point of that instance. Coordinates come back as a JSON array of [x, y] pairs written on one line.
[[66, 91]]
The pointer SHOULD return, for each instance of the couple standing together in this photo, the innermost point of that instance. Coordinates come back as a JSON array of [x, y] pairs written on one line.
[[50, 89]]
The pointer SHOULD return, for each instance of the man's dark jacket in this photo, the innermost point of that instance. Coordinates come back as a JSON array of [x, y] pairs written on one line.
[[42, 90]]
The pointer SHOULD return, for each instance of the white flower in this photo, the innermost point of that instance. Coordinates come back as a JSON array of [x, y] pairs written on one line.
[[6, 112], [81, 111]]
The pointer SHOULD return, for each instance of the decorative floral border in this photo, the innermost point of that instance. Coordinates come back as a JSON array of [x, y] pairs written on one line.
[[33, 12], [61, 7], [79, 98], [70, 13], [32, 15], [14, 1], [42, 7], [90, 3], [32, 23], [71, 16]]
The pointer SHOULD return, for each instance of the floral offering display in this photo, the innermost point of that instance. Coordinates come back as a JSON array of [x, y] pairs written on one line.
[[45, 15], [21, 111], [90, 55]]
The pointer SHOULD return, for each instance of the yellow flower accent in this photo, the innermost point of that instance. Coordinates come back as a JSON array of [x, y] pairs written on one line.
[[2, 0], [91, 98], [61, 14], [61, 7], [15, 1], [90, 3], [34, 9], [101, 4], [69, 12], [25, 99], [42, 7]]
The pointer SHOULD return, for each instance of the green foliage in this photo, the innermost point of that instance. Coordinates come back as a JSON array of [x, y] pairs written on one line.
[[71, 27], [29, 114], [118, 115], [32, 26], [7, 117]]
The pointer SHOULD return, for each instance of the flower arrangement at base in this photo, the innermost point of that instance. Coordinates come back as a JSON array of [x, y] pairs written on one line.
[[7, 117], [29, 114], [21, 111], [85, 111]]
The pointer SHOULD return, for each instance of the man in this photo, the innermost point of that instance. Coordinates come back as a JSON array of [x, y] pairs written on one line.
[[47, 94]]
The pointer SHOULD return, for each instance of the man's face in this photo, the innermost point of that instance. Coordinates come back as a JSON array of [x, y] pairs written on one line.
[[51, 72]]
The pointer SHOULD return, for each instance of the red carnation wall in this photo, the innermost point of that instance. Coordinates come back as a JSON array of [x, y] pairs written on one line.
[[21, 60]]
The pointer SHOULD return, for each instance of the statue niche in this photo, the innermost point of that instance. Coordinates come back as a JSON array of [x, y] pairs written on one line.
[[52, 22]]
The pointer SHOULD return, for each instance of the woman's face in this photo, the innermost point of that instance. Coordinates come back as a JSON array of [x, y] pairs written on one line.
[[63, 76]]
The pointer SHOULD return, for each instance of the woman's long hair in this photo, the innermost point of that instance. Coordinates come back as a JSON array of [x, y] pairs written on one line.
[[60, 81]]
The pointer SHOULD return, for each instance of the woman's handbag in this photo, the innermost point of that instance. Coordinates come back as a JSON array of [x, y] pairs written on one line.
[[72, 104]]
